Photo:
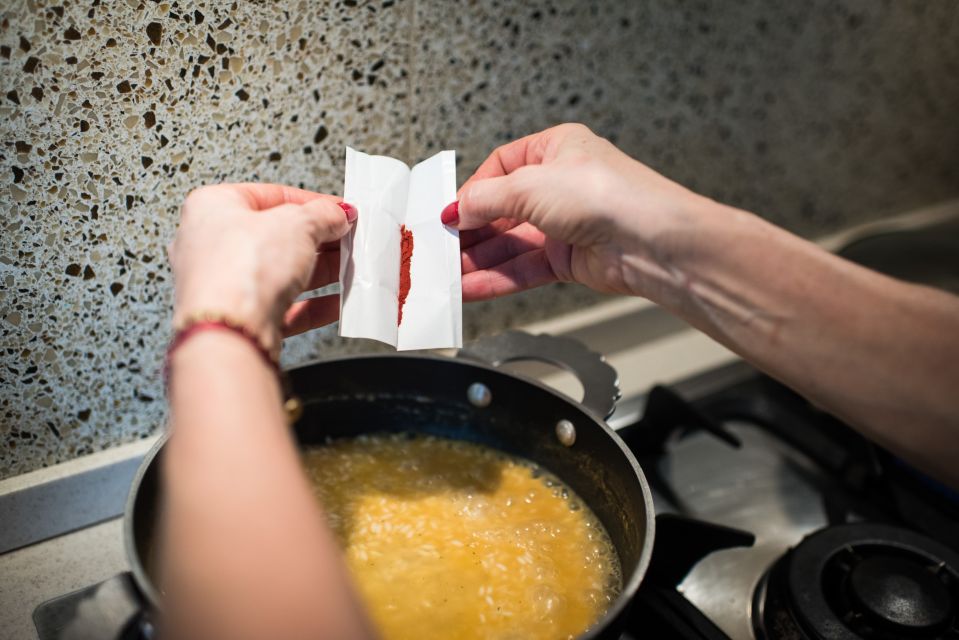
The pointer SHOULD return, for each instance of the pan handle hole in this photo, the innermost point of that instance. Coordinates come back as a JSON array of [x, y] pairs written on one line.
[[549, 374]]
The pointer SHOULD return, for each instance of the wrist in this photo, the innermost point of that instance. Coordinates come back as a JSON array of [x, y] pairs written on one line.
[[214, 355], [216, 372], [207, 322], [689, 227], [221, 345], [218, 347], [677, 238], [236, 311]]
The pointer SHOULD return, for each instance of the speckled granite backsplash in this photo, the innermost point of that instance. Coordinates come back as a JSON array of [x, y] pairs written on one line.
[[816, 114]]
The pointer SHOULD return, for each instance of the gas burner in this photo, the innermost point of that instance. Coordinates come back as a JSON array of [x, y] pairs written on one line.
[[860, 581]]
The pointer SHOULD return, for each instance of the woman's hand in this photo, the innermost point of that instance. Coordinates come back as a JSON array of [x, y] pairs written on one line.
[[248, 250], [565, 204], [876, 352], [238, 510]]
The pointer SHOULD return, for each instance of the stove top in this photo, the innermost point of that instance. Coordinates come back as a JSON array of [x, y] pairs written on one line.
[[849, 541], [860, 580], [774, 521]]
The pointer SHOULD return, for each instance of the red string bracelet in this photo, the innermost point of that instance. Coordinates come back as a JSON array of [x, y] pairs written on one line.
[[200, 326], [209, 322]]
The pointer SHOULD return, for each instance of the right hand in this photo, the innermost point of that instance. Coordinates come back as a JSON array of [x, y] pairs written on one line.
[[566, 205]]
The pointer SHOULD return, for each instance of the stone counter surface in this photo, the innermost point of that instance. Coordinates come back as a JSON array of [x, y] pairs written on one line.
[[815, 114]]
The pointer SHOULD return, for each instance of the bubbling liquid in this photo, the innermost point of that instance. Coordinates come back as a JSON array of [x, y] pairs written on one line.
[[449, 539]]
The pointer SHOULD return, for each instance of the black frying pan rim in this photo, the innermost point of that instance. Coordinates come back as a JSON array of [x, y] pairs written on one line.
[[630, 587]]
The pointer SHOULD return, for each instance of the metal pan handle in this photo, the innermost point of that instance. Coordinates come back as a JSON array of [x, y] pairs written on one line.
[[600, 381], [115, 609]]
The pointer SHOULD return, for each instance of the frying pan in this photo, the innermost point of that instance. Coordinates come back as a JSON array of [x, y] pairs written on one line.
[[467, 398]]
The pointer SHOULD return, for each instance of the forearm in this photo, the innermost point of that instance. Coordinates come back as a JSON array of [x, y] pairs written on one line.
[[881, 354], [243, 540]]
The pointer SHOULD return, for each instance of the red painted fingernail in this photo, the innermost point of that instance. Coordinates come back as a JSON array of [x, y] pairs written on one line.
[[349, 210], [451, 214]]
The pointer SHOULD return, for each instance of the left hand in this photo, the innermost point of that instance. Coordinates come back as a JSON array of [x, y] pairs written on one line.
[[248, 250]]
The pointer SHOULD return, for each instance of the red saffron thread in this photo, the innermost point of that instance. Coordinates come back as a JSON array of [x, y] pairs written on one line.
[[406, 258]]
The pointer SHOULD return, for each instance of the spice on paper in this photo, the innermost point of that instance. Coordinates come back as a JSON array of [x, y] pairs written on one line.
[[406, 259], [378, 298]]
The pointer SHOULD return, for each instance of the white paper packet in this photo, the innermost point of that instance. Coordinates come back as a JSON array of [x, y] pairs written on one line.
[[388, 196]]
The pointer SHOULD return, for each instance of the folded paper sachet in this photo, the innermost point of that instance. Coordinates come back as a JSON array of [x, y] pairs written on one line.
[[400, 273]]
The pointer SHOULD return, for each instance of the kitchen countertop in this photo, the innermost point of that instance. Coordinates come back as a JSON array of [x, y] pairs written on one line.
[[48, 569]]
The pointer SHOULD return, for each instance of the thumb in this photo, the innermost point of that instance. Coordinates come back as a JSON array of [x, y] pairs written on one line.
[[506, 196], [327, 220]]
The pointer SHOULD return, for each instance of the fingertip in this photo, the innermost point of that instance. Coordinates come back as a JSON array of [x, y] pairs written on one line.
[[451, 214], [327, 222], [349, 210]]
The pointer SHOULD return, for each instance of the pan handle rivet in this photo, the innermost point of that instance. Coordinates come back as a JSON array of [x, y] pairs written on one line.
[[566, 432], [479, 395]]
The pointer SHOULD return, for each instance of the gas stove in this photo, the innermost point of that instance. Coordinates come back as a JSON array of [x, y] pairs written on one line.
[[774, 521], [801, 528]]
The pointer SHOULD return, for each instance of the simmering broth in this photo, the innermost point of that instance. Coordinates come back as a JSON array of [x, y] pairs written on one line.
[[449, 539]]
